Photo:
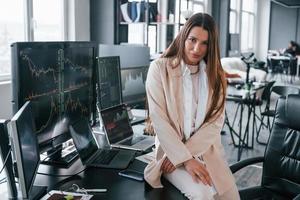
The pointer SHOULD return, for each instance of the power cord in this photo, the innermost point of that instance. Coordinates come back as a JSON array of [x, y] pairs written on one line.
[[6, 158], [3, 181]]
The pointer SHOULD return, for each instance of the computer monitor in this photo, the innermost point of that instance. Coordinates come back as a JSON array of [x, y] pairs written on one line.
[[5, 154], [131, 55], [59, 78], [109, 82], [26, 149], [133, 86]]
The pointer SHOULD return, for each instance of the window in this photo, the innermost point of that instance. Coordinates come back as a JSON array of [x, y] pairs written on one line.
[[247, 30], [233, 22], [242, 20], [37, 26], [48, 28], [11, 30]]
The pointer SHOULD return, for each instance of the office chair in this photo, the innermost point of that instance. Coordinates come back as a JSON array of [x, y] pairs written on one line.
[[281, 161], [293, 68], [270, 113]]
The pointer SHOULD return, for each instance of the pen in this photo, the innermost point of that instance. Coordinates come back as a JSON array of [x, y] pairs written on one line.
[[94, 190]]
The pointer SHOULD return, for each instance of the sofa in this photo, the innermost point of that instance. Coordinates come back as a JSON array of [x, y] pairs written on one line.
[[234, 65]]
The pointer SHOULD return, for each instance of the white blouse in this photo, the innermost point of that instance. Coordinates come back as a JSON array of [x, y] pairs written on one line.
[[195, 94]]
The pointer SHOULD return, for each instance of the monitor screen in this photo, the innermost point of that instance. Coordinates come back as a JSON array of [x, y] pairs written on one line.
[[58, 77], [84, 141], [109, 81], [116, 123], [25, 147], [133, 85]]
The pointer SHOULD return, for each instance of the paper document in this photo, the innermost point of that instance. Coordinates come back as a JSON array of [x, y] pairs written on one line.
[[57, 195], [146, 158]]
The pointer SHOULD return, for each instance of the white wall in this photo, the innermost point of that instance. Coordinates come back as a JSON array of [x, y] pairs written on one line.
[[5, 100], [262, 29]]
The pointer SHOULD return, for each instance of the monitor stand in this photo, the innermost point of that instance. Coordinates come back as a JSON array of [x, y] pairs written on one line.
[[62, 157], [37, 192]]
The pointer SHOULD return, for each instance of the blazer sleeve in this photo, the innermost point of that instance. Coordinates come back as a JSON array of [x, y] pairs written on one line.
[[169, 139], [206, 136]]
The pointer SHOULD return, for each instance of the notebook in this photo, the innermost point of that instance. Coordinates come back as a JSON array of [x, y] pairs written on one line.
[[119, 132], [89, 152]]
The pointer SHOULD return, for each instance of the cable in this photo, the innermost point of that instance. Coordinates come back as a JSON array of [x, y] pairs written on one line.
[[4, 181], [61, 175], [6, 158]]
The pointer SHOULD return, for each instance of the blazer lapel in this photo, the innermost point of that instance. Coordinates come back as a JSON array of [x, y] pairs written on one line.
[[176, 92]]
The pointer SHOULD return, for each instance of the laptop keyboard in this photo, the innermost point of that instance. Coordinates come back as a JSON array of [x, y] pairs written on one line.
[[105, 156]]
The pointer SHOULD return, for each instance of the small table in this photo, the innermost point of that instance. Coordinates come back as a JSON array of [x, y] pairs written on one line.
[[243, 98]]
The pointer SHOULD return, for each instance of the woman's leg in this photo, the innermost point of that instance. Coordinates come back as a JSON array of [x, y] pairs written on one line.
[[183, 181]]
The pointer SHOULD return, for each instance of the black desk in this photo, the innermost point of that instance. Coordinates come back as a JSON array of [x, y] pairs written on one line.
[[96, 178], [118, 187]]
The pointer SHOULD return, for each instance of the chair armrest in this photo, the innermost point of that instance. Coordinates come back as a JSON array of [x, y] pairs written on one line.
[[243, 163], [297, 197]]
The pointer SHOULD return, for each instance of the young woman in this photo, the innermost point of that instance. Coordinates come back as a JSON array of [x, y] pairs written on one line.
[[186, 97]]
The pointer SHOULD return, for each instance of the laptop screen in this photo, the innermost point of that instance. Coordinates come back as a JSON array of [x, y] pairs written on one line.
[[83, 139], [116, 123]]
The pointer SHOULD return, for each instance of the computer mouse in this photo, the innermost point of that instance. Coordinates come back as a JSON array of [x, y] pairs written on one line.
[[238, 86]]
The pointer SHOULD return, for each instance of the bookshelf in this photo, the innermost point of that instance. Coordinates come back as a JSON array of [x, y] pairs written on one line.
[[154, 23]]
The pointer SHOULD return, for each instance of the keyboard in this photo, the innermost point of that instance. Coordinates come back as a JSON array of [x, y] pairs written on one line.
[[105, 156], [64, 161], [70, 156]]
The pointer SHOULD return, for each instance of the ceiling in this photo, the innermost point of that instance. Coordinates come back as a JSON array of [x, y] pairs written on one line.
[[289, 3]]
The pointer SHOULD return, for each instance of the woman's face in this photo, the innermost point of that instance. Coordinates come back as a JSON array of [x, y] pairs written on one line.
[[195, 45]]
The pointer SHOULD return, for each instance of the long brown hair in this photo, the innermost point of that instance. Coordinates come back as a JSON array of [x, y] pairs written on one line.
[[214, 70]]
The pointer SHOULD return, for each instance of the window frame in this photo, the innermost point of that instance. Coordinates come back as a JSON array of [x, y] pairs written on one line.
[[29, 27], [238, 24]]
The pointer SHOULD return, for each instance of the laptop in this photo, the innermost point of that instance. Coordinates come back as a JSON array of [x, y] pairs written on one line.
[[93, 156], [119, 132]]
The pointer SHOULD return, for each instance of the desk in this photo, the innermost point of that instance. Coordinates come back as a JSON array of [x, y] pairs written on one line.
[[248, 99], [118, 187], [280, 58]]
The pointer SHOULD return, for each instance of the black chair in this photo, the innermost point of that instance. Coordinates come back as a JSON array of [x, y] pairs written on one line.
[[293, 68], [270, 113], [265, 97], [281, 162]]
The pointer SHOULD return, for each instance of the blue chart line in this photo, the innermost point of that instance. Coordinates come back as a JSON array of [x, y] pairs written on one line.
[[37, 71]]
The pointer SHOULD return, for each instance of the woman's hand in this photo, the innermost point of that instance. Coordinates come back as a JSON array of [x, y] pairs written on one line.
[[198, 171], [167, 166]]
